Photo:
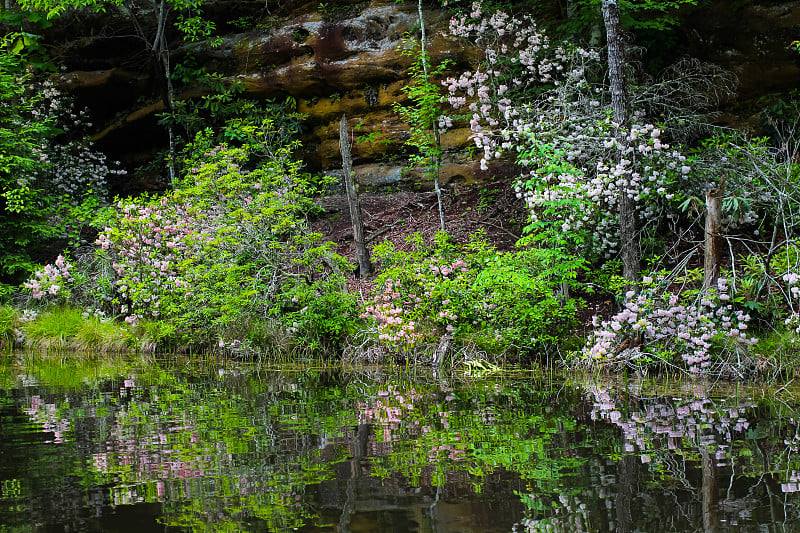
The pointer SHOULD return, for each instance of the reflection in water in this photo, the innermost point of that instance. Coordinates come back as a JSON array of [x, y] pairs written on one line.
[[101, 445]]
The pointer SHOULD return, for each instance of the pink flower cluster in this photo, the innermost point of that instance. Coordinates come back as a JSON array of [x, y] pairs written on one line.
[[147, 245], [51, 280], [668, 326], [418, 307], [394, 328]]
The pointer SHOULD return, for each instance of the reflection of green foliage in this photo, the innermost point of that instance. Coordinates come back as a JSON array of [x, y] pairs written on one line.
[[227, 449], [500, 426]]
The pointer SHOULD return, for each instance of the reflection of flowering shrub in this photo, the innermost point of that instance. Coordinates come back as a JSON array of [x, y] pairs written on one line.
[[698, 420], [48, 417], [669, 327]]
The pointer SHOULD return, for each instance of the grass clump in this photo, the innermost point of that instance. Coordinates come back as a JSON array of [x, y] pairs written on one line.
[[54, 328], [8, 326], [103, 335], [76, 329]]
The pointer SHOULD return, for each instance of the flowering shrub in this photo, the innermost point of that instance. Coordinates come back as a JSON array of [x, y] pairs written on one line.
[[498, 301], [51, 179], [224, 252], [52, 280], [69, 169], [546, 105], [692, 334]]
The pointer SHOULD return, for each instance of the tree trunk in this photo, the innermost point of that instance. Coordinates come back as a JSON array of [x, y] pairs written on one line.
[[713, 240], [364, 263], [628, 236], [159, 51]]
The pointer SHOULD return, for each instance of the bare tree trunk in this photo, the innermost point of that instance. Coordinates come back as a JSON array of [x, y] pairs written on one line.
[[437, 164], [364, 263], [628, 236], [161, 49], [713, 239]]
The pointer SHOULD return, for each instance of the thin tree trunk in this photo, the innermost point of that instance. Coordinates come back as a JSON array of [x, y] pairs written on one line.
[[437, 164], [713, 239], [628, 236], [362, 254], [161, 49], [160, 53], [170, 109]]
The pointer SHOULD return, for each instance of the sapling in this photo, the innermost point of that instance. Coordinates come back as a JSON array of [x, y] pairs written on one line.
[[425, 113]]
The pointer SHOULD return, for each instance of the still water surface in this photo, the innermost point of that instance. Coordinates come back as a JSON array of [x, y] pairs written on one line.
[[120, 444]]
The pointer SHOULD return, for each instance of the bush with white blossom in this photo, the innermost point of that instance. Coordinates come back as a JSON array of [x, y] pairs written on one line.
[[694, 334], [545, 104]]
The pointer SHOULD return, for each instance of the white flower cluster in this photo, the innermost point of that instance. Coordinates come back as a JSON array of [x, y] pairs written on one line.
[[540, 102], [664, 325], [70, 167]]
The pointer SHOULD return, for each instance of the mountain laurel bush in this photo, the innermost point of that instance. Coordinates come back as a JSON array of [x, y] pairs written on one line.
[[227, 250], [495, 301]]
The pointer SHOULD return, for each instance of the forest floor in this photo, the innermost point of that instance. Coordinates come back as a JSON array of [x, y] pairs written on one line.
[[492, 208], [395, 216]]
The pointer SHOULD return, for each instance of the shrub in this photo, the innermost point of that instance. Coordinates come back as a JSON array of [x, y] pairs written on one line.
[[230, 246], [691, 330], [496, 301]]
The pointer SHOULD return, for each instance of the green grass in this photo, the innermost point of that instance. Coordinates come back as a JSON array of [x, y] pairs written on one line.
[[108, 336], [779, 352], [149, 335], [53, 329], [69, 329], [8, 323]]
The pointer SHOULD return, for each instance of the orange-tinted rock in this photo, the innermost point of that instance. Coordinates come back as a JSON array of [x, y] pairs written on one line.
[[346, 58]]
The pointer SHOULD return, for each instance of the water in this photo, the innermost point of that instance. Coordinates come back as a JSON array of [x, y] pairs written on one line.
[[107, 444]]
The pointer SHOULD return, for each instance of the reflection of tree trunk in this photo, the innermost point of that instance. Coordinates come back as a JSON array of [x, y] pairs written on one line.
[[778, 517], [359, 451], [710, 494], [627, 488]]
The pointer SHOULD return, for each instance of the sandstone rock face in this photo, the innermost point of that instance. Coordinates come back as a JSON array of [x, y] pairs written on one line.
[[345, 58], [345, 61], [752, 39]]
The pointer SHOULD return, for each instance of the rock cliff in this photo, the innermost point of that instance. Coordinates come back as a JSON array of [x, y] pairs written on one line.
[[339, 57]]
